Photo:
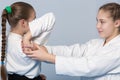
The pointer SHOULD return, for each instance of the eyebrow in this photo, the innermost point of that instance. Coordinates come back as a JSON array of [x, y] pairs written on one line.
[[99, 19]]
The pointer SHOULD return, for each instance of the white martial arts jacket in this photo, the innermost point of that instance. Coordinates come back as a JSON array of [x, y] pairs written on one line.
[[16, 61], [90, 61]]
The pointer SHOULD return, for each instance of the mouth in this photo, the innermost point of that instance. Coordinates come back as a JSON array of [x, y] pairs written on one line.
[[100, 31]]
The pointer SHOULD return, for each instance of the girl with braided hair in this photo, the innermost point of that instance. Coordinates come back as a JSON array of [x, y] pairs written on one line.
[[20, 16], [97, 59]]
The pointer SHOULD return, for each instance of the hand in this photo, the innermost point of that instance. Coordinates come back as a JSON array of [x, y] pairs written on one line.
[[40, 53], [27, 47]]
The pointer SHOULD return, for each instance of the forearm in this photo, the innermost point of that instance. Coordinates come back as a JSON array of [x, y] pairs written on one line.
[[27, 36], [64, 50]]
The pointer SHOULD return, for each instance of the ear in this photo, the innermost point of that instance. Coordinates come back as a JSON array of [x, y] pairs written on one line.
[[117, 23], [23, 23]]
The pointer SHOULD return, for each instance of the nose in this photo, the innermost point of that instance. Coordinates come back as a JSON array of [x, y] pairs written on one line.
[[98, 25]]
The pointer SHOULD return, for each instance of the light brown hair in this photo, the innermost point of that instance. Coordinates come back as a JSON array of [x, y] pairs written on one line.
[[113, 8]]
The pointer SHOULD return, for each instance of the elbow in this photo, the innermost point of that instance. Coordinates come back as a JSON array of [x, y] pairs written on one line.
[[51, 21]]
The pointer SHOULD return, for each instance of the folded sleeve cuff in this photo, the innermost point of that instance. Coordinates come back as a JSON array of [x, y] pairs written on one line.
[[59, 65]]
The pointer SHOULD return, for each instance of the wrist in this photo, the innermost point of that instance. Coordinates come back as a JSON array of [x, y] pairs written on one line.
[[27, 36], [50, 58]]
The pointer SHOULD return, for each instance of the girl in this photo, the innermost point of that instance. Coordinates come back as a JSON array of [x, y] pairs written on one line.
[[20, 15], [98, 59]]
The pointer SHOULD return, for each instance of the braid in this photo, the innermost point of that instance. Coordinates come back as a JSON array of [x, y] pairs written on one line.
[[3, 34], [3, 24]]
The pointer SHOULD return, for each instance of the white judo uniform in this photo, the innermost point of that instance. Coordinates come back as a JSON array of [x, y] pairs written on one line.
[[90, 61], [17, 62]]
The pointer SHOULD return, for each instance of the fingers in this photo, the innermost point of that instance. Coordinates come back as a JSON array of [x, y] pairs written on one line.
[[26, 47], [28, 52], [32, 55]]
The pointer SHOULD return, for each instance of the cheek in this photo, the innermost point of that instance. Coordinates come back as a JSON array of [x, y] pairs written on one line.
[[27, 27], [26, 30], [105, 28], [108, 30]]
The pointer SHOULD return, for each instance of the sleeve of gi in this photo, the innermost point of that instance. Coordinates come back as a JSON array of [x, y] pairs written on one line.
[[41, 28]]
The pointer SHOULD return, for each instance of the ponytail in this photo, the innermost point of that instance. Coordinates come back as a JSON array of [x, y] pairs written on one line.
[[3, 48]]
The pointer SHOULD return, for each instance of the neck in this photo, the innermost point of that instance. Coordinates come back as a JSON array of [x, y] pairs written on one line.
[[110, 38], [17, 30]]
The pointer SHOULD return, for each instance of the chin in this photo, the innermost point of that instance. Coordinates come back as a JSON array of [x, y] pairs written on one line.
[[102, 36]]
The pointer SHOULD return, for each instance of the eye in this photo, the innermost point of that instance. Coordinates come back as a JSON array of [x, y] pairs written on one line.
[[102, 21]]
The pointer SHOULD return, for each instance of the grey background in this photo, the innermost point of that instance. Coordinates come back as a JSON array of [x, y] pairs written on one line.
[[75, 23]]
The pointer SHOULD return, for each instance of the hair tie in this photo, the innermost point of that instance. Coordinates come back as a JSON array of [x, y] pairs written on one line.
[[8, 9], [2, 62]]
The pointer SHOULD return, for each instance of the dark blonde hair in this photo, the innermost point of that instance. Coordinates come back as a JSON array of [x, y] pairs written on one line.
[[113, 9], [20, 10]]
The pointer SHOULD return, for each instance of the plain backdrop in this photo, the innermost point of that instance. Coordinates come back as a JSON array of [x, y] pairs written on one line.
[[75, 23]]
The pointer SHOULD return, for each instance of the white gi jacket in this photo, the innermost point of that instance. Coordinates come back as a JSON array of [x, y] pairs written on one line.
[[17, 62], [90, 61]]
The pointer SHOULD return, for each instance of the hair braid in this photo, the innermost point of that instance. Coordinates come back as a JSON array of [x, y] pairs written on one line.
[[3, 50]]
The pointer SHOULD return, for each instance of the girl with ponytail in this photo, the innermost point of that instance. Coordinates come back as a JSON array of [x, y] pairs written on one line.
[[20, 16], [14, 14]]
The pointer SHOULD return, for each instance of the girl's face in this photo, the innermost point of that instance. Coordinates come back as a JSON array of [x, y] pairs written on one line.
[[105, 25]]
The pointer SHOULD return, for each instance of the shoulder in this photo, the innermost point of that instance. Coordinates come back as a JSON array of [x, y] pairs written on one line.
[[95, 41]]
